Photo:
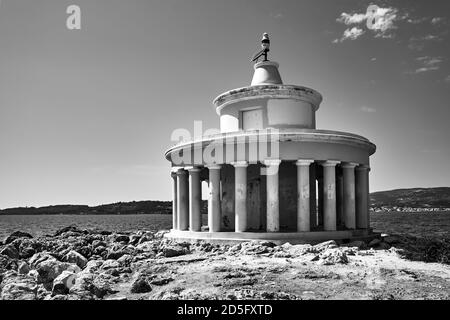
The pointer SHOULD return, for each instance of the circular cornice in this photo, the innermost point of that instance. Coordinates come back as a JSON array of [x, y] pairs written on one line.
[[294, 135], [281, 91]]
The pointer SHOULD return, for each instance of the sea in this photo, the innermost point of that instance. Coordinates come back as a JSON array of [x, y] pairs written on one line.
[[419, 224]]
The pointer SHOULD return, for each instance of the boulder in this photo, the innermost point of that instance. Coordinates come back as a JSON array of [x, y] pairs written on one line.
[[122, 238], [332, 256], [374, 242], [391, 240], [358, 244], [141, 285], [102, 285], [110, 263], [71, 230], [7, 263], [23, 268], [331, 244], [77, 258], [18, 287], [10, 251], [63, 283], [300, 249], [174, 251], [17, 235], [49, 268]]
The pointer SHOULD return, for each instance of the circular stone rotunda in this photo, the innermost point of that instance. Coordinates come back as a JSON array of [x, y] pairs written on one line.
[[271, 175]]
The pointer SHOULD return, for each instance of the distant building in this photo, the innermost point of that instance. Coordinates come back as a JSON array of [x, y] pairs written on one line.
[[271, 174]]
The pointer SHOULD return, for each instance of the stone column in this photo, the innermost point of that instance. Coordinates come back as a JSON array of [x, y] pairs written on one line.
[[348, 172], [273, 205], [195, 200], [362, 196], [214, 205], [329, 195], [303, 195], [312, 196], [183, 200], [240, 196], [174, 201], [339, 199], [320, 200]]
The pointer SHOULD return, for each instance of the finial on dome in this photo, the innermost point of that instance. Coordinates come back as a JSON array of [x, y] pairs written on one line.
[[265, 45]]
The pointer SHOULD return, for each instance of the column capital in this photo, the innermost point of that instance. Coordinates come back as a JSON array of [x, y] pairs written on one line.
[[330, 163], [214, 166], [363, 167], [272, 162], [181, 172], [304, 162], [349, 165], [193, 169], [240, 164]]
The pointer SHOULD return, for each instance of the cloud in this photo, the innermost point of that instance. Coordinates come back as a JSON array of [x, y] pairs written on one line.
[[427, 63], [381, 21], [437, 20], [447, 79], [350, 34], [277, 15], [367, 109]]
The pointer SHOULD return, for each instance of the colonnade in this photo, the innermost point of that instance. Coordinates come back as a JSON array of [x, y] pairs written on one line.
[[344, 196]]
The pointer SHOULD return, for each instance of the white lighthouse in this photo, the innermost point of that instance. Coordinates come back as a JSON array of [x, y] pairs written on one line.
[[272, 174]]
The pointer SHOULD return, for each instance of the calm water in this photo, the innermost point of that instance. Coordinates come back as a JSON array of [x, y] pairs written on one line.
[[436, 224]]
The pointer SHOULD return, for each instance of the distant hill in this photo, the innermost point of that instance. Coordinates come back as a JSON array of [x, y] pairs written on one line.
[[413, 198], [380, 201], [135, 207]]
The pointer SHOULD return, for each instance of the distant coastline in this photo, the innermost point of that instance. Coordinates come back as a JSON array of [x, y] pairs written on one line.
[[399, 200], [120, 208]]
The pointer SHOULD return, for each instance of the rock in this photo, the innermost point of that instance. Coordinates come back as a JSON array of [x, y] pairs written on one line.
[[114, 254], [7, 263], [49, 268], [325, 245], [122, 238], [391, 240], [358, 244], [17, 235], [23, 268], [161, 281], [10, 251], [140, 285], [125, 260], [374, 242], [333, 256], [72, 229], [63, 283], [102, 285], [174, 251], [300, 249], [160, 234], [83, 285], [268, 244], [75, 257], [109, 264], [18, 287], [384, 246]]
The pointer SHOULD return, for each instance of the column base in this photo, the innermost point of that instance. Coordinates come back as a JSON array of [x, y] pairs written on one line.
[[311, 237]]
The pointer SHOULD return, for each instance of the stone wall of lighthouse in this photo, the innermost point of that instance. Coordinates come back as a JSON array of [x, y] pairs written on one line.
[[277, 177]]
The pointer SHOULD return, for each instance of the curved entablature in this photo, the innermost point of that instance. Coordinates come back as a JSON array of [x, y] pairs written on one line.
[[318, 144], [268, 91]]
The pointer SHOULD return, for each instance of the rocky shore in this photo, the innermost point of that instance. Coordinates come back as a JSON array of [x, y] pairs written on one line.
[[76, 264]]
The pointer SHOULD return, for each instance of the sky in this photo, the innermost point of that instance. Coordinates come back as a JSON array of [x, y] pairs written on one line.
[[86, 115]]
